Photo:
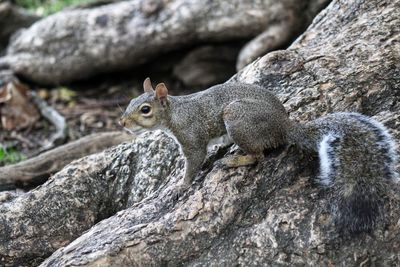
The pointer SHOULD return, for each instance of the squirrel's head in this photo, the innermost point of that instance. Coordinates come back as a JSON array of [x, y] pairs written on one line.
[[147, 111]]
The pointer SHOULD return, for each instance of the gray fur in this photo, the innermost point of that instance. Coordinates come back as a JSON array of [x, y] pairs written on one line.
[[362, 159], [358, 154], [198, 118]]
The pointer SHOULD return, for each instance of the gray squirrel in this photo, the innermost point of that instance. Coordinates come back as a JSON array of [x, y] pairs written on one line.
[[357, 154]]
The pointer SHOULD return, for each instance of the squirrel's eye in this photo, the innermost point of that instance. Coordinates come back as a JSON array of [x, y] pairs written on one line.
[[145, 109]]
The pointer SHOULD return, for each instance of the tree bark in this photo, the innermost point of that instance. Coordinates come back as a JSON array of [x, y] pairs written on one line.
[[54, 160], [33, 225], [207, 65], [126, 34], [269, 214]]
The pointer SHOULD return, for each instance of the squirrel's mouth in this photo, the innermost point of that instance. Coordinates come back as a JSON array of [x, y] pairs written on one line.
[[135, 131]]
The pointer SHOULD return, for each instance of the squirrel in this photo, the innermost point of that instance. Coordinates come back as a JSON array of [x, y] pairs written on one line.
[[357, 154]]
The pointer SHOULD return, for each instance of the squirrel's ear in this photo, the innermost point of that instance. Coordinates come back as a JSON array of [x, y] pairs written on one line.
[[162, 93], [148, 88]]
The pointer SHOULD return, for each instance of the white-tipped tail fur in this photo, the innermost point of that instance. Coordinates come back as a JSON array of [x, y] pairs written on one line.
[[326, 157], [357, 161]]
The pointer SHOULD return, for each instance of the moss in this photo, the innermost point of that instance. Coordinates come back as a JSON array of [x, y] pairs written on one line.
[[47, 7], [10, 156]]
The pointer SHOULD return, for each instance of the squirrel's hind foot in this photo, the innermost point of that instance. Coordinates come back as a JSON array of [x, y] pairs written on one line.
[[239, 161]]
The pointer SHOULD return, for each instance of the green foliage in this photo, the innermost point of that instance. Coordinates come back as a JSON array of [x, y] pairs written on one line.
[[47, 7], [10, 156]]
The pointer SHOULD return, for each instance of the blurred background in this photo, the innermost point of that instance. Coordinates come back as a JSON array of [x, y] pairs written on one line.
[[68, 68]]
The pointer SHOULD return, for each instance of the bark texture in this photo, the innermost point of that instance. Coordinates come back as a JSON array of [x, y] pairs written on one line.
[[33, 225], [121, 35], [280, 33], [207, 65], [54, 160], [269, 214]]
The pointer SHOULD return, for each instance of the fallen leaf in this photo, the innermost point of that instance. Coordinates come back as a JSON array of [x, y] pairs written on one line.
[[66, 94], [5, 93], [16, 110]]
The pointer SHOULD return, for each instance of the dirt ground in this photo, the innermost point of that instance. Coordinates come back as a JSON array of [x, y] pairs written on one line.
[[88, 107]]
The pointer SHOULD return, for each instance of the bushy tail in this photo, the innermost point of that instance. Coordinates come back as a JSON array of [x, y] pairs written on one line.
[[357, 163], [359, 211]]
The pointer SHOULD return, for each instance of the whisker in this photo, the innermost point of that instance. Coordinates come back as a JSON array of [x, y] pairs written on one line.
[[120, 108]]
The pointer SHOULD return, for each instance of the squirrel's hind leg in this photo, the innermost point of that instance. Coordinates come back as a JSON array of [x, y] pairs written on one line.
[[254, 125]]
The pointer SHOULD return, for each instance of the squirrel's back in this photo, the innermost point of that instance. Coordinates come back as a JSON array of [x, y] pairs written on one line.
[[210, 104], [357, 162]]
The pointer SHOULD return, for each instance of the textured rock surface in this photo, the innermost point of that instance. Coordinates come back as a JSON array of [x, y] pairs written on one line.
[[269, 214], [129, 33]]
